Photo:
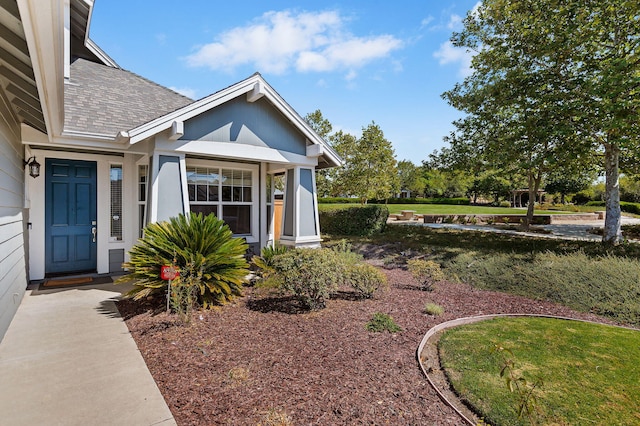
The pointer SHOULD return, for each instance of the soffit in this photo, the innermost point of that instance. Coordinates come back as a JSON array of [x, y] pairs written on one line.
[[17, 79]]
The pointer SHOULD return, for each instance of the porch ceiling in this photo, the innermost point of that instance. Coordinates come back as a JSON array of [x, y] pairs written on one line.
[[17, 80]]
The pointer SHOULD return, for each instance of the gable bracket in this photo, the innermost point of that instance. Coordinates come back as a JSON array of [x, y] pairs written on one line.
[[257, 92]]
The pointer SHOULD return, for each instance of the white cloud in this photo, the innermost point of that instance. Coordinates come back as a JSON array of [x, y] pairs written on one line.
[[186, 91], [426, 21], [448, 54], [455, 22], [280, 41]]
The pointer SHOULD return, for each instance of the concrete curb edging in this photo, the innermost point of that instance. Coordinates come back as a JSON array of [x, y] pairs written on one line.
[[470, 320]]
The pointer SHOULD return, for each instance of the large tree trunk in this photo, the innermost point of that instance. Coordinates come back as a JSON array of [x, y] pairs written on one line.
[[612, 223], [534, 185]]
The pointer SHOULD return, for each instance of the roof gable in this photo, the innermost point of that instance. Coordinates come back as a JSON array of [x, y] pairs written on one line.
[[254, 88], [249, 123]]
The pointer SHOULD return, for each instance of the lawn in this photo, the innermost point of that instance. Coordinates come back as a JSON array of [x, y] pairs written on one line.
[[447, 209], [589, 372]]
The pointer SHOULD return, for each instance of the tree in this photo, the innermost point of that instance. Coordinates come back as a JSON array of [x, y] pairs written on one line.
[[411, 178], [323, 128], [370, 166], [564, 181], [491, 183], [605, 41], [552, 80]]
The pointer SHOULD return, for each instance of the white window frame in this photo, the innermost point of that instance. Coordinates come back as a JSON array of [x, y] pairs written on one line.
[[254, 237], [115, 239]]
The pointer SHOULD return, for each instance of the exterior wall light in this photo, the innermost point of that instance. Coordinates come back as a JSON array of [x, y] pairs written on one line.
[[34, 167]]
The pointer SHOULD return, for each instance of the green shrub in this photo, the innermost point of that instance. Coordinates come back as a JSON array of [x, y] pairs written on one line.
[[433, 309], [362, 220], [264, 262], [201, 247], [382, 322], [606, 285], [633, 208], [312, 275], [365, 279], [427, 272], [338, 200]]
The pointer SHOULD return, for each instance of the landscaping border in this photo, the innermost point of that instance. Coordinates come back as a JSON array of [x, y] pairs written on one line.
[[432, 337]]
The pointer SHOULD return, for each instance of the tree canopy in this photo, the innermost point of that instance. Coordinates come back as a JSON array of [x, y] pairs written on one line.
[[554, 84]]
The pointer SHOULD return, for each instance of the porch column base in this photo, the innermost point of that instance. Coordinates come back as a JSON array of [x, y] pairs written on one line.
[[304, 242]]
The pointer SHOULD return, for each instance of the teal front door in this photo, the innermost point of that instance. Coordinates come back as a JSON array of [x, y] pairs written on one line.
[[70, 216]]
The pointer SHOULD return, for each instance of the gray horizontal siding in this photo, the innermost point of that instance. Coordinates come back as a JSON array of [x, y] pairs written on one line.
[[13, 277]]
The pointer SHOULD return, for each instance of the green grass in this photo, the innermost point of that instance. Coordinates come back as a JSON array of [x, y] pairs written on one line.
[[590, 372], [444, 209]]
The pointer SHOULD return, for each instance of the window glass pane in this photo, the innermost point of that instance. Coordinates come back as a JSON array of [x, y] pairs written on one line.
[[142, 183], [246, 178], [227, 177], [116, 202], [201, 193], [238, 218], [237, 178], [226, 193], [192, 192], [237, 193], [140, 219], [213, 193], [204, 209], [246, 194], [201, 176], [213, 177], [191, 175], [269, 187]]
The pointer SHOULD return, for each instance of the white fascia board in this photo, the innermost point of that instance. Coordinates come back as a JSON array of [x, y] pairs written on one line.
[[236, 151], [43, 23]]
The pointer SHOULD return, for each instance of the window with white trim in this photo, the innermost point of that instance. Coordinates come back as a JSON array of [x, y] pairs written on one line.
[[142, 196], [229, 193], [116, 202]]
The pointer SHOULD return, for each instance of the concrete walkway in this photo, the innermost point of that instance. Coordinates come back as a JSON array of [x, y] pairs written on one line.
[[68, 359]]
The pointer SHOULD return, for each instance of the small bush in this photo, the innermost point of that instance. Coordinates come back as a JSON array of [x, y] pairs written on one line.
[[264, 265], [365, 279], [338, 200], [633, 208], [433, 309], [310, 274], [362, 220], [276, 418], [382, 322], [427, 272]]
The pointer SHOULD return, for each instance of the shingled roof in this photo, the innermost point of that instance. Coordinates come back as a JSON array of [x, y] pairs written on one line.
[[102, 100]]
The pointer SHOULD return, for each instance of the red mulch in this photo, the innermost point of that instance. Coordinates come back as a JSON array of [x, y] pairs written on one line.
[[236, 364]]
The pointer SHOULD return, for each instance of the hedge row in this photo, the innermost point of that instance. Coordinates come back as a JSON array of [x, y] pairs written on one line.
[[450, 201], [633, 208], [360, 220]]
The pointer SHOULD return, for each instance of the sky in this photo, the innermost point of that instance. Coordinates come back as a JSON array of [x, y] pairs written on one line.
[[358, 62]]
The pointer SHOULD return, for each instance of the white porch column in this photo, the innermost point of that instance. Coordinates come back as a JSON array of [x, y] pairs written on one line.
[[166, 197], [301, 227]]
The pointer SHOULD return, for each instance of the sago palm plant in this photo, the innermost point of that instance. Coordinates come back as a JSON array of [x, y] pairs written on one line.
[[201, 247]]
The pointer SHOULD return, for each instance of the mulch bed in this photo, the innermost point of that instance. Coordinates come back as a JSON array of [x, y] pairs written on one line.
[[262, 355]]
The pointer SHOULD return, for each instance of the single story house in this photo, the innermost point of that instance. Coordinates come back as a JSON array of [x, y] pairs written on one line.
[[91, 152]]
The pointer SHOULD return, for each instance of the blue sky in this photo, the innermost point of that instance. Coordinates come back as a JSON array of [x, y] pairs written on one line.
[[356, 61]]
